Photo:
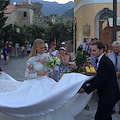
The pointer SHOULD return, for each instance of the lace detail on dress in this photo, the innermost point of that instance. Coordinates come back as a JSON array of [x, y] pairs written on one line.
[[7, 83], [35, 64]]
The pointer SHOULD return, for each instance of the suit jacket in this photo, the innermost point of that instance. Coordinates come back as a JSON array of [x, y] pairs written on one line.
[[105, 82]]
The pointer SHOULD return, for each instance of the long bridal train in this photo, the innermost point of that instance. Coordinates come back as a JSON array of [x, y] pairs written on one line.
[[42, 98]]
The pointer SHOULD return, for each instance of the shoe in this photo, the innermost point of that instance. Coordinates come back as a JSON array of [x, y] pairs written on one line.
[[86, 107], [113, 111], [119, 111]]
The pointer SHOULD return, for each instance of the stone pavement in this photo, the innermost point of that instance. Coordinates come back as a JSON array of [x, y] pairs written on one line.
[[16, 68]]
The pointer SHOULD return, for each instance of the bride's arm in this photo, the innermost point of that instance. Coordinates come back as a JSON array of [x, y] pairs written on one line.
[[42, 73], [29, 69]]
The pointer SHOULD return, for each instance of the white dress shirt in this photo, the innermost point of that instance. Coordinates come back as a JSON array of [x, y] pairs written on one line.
[[99, 58]]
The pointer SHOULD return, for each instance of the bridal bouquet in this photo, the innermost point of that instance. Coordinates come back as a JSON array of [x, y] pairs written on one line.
[[52, 62]]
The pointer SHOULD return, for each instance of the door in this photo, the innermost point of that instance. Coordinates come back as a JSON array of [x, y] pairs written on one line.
[[105, 36]]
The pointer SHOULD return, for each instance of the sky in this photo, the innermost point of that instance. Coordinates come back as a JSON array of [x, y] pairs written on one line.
[[59, 1]]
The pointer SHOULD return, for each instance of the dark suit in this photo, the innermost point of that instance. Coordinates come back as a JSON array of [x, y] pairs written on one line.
[[107, 88]]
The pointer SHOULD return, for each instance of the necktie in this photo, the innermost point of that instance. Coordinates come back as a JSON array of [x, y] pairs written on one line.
[[116, 60]]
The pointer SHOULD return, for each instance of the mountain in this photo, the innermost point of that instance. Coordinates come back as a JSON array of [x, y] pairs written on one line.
[[17, 1], [69, 13], [55, 8], [51, 7]]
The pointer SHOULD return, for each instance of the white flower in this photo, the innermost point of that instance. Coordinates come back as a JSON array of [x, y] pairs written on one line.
[[53, 61]]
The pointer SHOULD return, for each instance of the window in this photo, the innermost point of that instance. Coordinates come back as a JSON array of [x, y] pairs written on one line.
[[25, 14]]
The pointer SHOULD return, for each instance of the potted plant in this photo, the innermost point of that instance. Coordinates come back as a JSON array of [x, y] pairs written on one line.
[[80, 59]]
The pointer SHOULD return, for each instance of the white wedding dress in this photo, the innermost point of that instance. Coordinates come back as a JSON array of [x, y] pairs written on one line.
[[41, 98]]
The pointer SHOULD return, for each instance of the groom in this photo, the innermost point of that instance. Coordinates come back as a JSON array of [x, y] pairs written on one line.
[[105, 82]]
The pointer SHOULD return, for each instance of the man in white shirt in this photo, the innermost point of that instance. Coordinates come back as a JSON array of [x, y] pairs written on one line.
[[115, 58], [28, 46]]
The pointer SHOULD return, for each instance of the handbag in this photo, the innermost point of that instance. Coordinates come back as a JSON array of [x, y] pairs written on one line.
[[2, 56], [7, 57]]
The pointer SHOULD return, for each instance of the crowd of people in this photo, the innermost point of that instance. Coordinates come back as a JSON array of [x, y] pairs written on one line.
[[7, 51], [99, 59]]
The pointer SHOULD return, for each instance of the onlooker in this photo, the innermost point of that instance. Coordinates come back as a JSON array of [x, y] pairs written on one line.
[[28, 47], [22, 50], [89, 47], [65, 58], [106, 49], [5, 53], [46, 48], [115, 57], [63, 45], [84, 45], [88, 40], [89, 67], [9, 47], [54, 53]]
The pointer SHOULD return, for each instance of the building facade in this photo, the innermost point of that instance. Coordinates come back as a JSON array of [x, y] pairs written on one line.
[[24, 13], [89, 16]]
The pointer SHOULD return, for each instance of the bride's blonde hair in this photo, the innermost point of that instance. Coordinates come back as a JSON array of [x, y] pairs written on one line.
[[37, 42]]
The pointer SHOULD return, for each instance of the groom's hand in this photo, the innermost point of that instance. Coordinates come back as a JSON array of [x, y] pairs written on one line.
[[81, 90]]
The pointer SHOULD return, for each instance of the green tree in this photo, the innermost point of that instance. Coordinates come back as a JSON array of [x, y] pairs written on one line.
[[80, 59], [69, 30], [59, 32], [53, 32], [3, 18], [33, 32]]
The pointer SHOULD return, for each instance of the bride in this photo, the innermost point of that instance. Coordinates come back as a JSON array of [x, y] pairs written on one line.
[[40, 97]]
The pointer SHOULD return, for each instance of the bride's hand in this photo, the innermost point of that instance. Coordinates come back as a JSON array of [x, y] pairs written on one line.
[[43, 61], [42, 73], [0, 72], [53, 68]]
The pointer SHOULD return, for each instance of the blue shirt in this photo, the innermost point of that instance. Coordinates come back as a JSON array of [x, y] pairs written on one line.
[[93, 60], [5, 49]]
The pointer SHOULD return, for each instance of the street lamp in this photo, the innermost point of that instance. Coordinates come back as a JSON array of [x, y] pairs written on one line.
[[114, 20]]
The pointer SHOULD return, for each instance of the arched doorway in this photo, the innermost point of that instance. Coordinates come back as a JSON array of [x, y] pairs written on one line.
[[105, 36]]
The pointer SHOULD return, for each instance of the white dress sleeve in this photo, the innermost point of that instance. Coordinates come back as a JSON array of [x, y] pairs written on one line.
[[29, 69], [33, 66]]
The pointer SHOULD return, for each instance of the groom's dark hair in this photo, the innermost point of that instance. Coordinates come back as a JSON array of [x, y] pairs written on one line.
[[100, 45]]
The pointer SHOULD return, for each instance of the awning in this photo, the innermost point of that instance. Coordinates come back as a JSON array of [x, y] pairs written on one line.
[[108, 24]]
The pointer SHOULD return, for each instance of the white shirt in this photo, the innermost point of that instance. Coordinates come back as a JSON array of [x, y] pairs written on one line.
[[99, 58], [28, 47]]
